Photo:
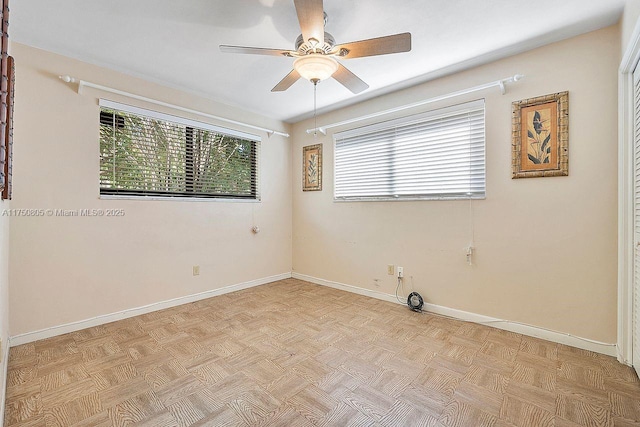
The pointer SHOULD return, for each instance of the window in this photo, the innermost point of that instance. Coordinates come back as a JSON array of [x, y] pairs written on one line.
[[435, 155], [145, 153]]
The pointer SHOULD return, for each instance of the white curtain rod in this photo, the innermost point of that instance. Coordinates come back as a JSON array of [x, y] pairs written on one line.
[[82, 84], [499, 83]]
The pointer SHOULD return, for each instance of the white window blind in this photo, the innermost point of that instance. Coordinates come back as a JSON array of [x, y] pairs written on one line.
[[435, 155], [144, 153]]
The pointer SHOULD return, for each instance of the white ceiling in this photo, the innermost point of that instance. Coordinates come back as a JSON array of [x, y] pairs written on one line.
[[176, 42]]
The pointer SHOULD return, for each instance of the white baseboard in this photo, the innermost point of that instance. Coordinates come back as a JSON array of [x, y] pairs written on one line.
[[112, 317], [520, 328], [529, 330], [348, 288], [3, 387]]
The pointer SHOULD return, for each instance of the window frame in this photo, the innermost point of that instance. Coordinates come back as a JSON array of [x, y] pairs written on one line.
[[193, 125], [408, 121]]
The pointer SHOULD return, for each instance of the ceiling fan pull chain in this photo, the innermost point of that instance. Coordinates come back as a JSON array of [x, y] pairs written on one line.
[[315, 116]]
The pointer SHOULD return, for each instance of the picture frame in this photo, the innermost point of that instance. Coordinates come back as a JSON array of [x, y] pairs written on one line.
[[312, 168], [540, 136], [8, 141]]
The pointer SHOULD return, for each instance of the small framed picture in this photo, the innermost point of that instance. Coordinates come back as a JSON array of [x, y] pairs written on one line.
[[540, 136], [312, 168]]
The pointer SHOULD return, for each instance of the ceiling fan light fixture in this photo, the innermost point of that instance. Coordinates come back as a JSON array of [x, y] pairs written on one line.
[[315, 66]]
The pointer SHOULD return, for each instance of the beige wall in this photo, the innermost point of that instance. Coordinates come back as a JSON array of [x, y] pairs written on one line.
[[69, 269], [545, 247]]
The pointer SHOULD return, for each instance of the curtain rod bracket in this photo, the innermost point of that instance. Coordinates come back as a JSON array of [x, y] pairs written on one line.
[[67, 79], [515, 78]]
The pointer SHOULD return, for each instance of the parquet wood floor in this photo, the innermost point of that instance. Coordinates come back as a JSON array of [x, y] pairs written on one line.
[[291, 353]]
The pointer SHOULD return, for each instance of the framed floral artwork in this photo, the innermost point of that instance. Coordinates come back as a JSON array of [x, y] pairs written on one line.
[[312, 168], [540, 136]]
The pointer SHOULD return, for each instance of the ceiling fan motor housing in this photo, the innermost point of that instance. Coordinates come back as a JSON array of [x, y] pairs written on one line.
[[304, 48]]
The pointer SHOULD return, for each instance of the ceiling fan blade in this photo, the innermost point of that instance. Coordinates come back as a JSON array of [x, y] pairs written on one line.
[[378, 46], [349, 80], [255, 50], [286, 83], [311, 18]]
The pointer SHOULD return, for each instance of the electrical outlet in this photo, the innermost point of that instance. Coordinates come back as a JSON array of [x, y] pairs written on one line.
[[400, 271], [196, 270], [391, 269]]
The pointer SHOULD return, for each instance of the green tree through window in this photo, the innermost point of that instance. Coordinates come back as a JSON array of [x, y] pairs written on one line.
[[145, 156]]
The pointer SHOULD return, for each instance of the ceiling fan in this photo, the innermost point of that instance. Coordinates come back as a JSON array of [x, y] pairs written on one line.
[[316, 51]]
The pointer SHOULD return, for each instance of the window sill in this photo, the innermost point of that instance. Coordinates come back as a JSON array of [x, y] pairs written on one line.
[[177, 199], [406, 199]]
